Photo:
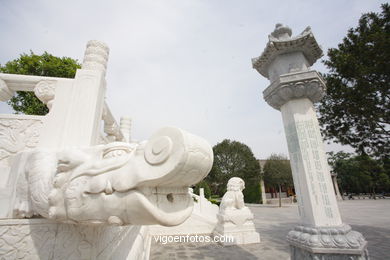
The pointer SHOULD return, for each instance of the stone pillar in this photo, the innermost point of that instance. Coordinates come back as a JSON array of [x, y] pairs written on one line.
[[201, 199], [294, 88], [263, 195], [201, 192], [336, 187], [125, 126], [76, 110]]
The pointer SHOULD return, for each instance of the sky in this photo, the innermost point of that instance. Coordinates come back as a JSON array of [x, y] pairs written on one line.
[[183, 63]]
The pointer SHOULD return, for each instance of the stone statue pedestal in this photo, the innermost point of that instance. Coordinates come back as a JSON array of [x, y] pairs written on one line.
[[238, 224], [235, 221]]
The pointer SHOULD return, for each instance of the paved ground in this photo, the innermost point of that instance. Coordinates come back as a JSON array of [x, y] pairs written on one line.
[[370, 217]]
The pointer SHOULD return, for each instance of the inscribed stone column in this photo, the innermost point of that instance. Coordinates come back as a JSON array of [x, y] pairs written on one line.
[[294, 88]]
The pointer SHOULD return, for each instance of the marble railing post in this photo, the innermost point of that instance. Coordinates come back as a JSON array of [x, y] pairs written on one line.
[[263, 195], [294, 88], [125, 127], [336, 187], [201, 198], [76, 111]]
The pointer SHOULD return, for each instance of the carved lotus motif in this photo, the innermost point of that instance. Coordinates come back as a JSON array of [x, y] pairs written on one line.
[[308, 85], [327, 237]]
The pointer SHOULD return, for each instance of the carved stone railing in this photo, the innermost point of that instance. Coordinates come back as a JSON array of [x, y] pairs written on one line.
[[76, 175], [111, 127], [203, 207], [18, 133], [44, 89], [23, 132]]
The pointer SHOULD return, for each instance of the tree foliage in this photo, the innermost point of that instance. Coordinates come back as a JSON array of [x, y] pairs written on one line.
[[234, 159], [38, 65], [203, 184], [356, 109], [360, 173], [277, 171]]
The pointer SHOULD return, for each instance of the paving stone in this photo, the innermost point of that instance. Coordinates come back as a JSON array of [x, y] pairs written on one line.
[[370, 217]]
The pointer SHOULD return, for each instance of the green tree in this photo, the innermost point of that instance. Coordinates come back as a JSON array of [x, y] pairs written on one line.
[[277, 173], [350, 177], [356, 109], [374, 169], [234, 159], [38, 65], [252, 192], [203, 184], [360, 173]]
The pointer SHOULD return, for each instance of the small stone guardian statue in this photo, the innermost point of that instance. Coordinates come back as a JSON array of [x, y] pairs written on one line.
[[235, 220]]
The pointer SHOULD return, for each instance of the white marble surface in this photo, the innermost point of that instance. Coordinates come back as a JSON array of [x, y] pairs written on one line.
[[94, 197], [312, 179], [117, 183], [44, 239], [234, 218]]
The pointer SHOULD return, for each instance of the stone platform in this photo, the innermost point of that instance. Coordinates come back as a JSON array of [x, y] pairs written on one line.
[[44, 239], [370, 217]]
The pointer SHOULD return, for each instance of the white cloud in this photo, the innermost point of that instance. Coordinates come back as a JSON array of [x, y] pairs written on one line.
[[181, 63]]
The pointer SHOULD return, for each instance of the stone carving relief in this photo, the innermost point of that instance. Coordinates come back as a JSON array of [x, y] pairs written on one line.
[[313, 89], [43, 239], [317, 238], [232, 207], [96, 56], [234, 218], [18, 134], [117, 183], [27, 241], [45, 92], [111, 128], [233, 198]]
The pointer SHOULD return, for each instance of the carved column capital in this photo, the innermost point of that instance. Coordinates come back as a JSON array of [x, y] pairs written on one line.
[[5, 92], [293, 86], [96, 56], [45, 92]]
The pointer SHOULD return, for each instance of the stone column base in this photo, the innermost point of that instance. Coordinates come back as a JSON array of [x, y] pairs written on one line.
[[327, 243]]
